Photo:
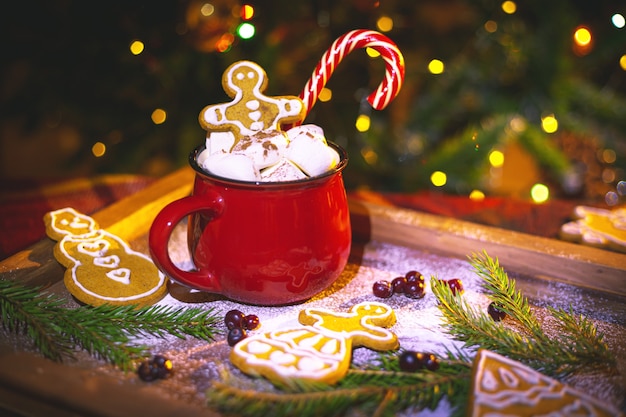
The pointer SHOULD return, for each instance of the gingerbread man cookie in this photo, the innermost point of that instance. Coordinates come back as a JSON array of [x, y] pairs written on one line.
[[101, 267], [250, 111], [504, 387], [321, 349], [597, 227]]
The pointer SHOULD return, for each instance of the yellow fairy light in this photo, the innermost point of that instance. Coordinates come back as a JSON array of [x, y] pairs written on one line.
[[158, 116], [370, 156], [384, 23], [491, 26], [435, 66], [247, 12], [207, 9], [372, 53], [325, 95], [438, 178], [136, 47], [539, 193], [496, 158], [549, 124], [509, 7], [582, 36], [362, 123], [98, 149], [622, 62], [477, 195]]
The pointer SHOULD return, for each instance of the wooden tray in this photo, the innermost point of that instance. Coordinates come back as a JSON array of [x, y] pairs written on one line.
[[31, 385]]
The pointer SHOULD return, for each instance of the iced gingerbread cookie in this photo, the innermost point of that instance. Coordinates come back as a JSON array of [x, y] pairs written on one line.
[[504, 387], [101, 267], [250, 111], [321, 349], [597, 227]]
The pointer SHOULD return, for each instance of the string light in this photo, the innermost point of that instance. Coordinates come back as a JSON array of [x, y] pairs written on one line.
[[136, 47], [362, 123], [477, 195], [247, 12], [549, 124], [384, 23], [491, 26], [98, 149], [439, 178], [509, 7], [372, 53], [540, 193], [622, 62], [435, 66], [496, 158], [325, 95], [583, 41], [370, 156], [158, 116], [618, 20], [246, 30]]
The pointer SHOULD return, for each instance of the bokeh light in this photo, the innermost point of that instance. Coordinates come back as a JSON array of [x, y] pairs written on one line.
[[496, 158], [372, 53], [618, 20], [136, 47], [477, 195], [247, 12], [362, 123], [435, 66], [583, 41], [438, 178], [246, 30], [622, 62], [158, 116], [98, 149], [384, 23], [540, 193], [509, 7], [549, 124], [491, 26], [325, 95]]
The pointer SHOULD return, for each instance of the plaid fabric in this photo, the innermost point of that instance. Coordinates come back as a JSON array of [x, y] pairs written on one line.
[[23, 204]]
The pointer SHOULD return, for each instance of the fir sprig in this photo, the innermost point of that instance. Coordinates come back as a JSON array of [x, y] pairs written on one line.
[[578, 346], [382, 390], [105, 332]]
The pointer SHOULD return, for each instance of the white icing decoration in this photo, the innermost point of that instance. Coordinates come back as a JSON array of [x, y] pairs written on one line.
[[95, 248], [489, 381], [257, 347], [310, 341], [310, 364], [331, 347], [112, 261], [120, 275], [508, 377], [282, 358]]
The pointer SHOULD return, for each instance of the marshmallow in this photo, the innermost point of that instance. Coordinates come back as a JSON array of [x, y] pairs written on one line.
[[265, 148], [285, 170], [219, 141], [234, 166], [310, 152]]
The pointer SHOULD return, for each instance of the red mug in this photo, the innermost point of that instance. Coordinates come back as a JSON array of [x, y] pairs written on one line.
[[262, 243]]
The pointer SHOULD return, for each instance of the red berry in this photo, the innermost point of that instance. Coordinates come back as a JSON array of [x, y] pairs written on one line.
[[398, 285], [235, 335], [234, 319], [495, 312], [415, 290], [414, 276], [456, 286], [382, 289], [251, 322]]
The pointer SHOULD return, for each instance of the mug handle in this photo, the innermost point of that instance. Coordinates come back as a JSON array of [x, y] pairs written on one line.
[[161, 232]]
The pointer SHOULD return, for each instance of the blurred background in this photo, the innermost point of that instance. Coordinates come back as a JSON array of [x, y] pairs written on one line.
[[506, 98]]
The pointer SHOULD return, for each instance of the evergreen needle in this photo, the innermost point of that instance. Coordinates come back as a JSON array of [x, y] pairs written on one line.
[[105, 331]]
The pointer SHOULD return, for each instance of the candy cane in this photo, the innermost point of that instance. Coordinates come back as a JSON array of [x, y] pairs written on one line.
[[394, 67]]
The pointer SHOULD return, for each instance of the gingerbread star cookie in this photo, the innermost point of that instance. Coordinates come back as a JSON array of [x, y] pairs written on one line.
[[250, 111], [597, 227], [321, 349], [101, 267], [504, 387]]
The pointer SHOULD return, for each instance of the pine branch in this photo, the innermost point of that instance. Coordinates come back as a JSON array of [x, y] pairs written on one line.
[[577, 347], [105, 331]]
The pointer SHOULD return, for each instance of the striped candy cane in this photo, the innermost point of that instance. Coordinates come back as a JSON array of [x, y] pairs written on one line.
[[394, 67]]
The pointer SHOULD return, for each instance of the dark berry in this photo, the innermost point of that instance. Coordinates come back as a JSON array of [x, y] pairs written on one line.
[[159, 367], [236, 335], [408, 361], [414, 276], [147, 372], [496, 312], [430, 361], [456, 286], [234, 319], [164, 366], [398, 285], [415, 290], [251, 322], [382, 289]]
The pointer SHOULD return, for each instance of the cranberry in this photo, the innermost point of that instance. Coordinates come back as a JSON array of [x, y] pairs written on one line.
[[234, 319], [495, 311], [415, 290], [235, 335], [382, 289], [411, 361], [456, 286], [251, 322], [159, 367], [414, 276], [398, 285]]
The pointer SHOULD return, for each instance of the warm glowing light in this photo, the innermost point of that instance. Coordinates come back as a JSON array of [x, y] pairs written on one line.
[[362, 123], [622, 62], [621, 188], [158, 116], [549, 124], [539, 193], [98, 149], [477, 195], [325, 95], [518, 124], [136, 47], [207, 9], [247, 12], [608, 175], [582, 36], [246, 30], [609, 156], [370, 156], [496, 158], [225, 42], [438, 178], [491, 26], [509, 7], [618, 20], [384, 23], [371, 52], [435, 66]]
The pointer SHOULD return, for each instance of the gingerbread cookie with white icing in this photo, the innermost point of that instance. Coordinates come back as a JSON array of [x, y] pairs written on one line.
[[101, 267], [250, 111], [321, 349], [597, 227], [504, 387]]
